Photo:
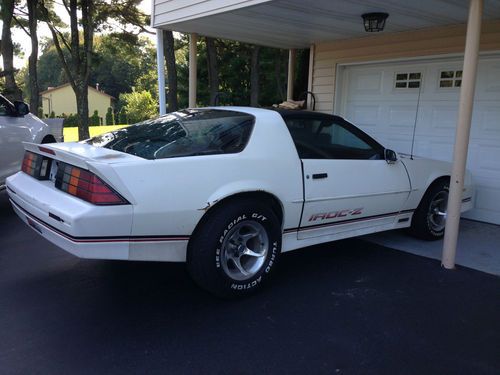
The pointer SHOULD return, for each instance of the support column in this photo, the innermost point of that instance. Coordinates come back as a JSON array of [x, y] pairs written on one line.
[[160, 62], [291, 73], [193, 39], [462, 133]]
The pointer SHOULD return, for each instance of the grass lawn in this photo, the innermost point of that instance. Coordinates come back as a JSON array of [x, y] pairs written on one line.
[[71, 134]]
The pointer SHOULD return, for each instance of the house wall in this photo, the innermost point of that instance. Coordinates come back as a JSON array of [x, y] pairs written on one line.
[[428, 42], [63, 100]]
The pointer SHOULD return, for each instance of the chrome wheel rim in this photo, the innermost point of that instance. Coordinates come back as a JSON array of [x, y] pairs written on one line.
[[437, 211], [244, 250]]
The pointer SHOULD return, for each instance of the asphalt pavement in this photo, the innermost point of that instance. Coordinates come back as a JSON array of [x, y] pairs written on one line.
[[349, 307]]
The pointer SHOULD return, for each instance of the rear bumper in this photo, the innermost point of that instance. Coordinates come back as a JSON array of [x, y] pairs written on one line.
[[85, 230]]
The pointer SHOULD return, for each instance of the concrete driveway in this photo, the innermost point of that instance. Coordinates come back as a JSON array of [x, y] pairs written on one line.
[[351, 307]]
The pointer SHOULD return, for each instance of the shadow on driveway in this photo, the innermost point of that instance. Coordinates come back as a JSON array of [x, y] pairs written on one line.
[[348, 307]]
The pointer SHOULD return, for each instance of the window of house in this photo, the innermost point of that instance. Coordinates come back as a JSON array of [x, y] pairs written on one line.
[[408, 80], [450, 78], [326, 138]]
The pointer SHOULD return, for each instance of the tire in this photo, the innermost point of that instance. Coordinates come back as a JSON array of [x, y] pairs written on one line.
[[48, 139], [429, 218], [235, 248]]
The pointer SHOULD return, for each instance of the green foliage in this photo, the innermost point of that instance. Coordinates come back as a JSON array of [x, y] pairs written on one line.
[[50, 69], [95, 120], [40, 113], [52, 114], [121, 63], [110, 117], [233, 60], [124, 62], [71, 120], [123, 116], [139, 106]]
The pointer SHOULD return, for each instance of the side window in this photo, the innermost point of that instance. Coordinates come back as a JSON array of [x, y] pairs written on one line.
[[344, 138], [326, 139]]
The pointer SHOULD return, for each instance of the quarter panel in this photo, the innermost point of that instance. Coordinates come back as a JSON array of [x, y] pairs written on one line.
[[173, 194], [423, 172]]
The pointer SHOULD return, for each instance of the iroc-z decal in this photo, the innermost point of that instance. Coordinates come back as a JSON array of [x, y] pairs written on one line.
[[336, 214]]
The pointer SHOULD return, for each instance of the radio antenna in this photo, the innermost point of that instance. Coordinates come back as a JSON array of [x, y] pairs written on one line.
[[416, 116]]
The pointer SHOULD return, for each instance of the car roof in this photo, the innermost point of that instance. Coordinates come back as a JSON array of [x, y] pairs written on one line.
[[284, 113], [288, 113]]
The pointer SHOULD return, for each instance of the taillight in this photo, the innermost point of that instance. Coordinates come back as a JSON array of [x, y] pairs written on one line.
[[86, 185], [36, 165]]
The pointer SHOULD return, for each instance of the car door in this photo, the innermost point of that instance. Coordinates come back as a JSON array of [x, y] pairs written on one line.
[[13, 131], [348, 185]]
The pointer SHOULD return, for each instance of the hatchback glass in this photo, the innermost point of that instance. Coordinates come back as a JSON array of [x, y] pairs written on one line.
[[182, 133]]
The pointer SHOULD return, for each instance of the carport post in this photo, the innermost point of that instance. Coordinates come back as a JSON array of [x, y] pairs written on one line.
[[193, 39], [160, 62], [463, 131], [291, 73]]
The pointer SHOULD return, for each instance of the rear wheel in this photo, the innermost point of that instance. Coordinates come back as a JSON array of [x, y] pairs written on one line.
[[429, 219], [235, 248], [48, 139]]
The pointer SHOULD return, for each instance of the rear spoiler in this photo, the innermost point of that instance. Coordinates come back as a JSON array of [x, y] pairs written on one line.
[[100, 166], [55, 153]]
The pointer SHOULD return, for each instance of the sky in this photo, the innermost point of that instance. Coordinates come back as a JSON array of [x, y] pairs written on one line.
[[19, 36]]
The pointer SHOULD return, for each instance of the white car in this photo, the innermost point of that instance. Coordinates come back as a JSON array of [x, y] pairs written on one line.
[[226, 190], [17, 125]]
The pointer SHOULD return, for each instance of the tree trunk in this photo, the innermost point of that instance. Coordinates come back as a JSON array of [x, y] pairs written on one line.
[[11, 91], [83, 64], [82, 105], [169, 52], [33, 78], [213, 73], [254, 77]]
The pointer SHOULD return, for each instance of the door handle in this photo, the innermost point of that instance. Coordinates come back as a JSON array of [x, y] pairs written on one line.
[[319, 175]]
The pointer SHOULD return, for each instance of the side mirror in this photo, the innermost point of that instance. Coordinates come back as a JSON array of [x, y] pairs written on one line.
[[390, 156], [21, 108]]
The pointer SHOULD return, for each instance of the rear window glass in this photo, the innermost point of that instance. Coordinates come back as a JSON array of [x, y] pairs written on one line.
[[183, 133]]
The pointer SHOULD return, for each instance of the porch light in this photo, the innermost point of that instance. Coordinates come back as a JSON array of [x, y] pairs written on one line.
[[374, 22]]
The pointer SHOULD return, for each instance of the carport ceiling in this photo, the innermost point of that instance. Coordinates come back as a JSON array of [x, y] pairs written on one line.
[[299, 23]]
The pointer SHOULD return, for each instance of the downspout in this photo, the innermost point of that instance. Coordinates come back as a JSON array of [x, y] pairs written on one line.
[[310, 75]]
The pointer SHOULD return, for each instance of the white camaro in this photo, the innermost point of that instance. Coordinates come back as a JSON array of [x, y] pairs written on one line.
[[226, 190]]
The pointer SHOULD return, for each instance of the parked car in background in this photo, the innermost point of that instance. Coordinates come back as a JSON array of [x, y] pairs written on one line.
[[17, 125], [226, 190]]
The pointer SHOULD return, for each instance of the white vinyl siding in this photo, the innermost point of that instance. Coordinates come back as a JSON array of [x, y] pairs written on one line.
[[171, 11]]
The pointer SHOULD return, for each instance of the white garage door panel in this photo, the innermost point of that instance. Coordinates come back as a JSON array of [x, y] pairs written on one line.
[[488, 118], [401, 117], [443, 117], [371, 100]]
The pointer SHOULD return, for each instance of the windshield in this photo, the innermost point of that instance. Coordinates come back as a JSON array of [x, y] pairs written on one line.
[[183, 133]]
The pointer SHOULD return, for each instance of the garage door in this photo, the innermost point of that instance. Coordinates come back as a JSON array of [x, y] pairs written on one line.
[[387, 100]]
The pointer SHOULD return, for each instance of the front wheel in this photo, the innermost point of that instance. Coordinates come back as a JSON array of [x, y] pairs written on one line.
[[235, 248], [429, 219]]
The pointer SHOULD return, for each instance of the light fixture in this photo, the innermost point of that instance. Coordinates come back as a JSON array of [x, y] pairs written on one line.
[[374, 22]]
